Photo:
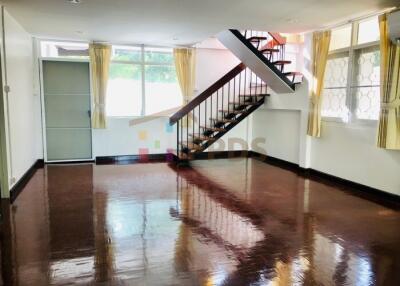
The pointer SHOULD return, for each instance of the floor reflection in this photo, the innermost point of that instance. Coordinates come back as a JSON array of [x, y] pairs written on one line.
[[220, 222]]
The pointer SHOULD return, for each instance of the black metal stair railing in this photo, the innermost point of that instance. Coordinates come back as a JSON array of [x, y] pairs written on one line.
[[218, 109]]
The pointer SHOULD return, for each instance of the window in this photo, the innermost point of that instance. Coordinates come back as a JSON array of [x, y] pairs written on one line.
[[368, 31], [162, 90], [340, 38], [142, 81], [52, 49], [351, 84], [124, 94]]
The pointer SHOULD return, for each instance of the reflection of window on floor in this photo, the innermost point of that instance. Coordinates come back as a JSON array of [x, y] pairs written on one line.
[[332, 262], [352, 84], [142, 81]]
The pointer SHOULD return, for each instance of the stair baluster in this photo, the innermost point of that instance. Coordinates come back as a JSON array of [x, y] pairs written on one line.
[[216, 112]]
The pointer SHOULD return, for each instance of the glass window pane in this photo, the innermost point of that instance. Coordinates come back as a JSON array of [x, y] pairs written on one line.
[[159, 55], [334, 103], [336, 70], [366, 83], [123, 53], [64, 49], [335, 87], [162, 88], [341, 38], [124, 94], [368, 31]]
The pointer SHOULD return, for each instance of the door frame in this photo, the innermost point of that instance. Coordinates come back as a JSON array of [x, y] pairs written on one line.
[[43, 108]]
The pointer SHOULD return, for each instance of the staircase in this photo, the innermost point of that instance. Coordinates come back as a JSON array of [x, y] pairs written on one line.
[[263, 53], [222, 106]]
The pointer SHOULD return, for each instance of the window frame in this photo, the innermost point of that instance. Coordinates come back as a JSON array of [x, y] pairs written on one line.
[[350, 97]]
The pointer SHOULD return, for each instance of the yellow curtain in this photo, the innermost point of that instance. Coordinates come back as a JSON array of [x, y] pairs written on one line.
[[389, 119], [100, 55], [185, 64], [321, 42]]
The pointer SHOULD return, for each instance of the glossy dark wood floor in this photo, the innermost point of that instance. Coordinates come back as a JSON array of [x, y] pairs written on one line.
[[220, 222]]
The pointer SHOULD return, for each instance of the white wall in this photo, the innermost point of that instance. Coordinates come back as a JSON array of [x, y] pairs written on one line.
[[121, 139], [23, 105], [282, 121], [281, 131], [345, 150], [350, 152]]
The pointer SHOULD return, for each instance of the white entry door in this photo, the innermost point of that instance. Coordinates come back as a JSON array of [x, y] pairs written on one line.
[[66, 92]]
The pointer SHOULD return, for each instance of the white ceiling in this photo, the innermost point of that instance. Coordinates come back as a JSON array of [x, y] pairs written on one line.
[[177, 22]]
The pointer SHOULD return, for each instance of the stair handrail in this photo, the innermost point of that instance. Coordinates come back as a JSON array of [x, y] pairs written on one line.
[[206, 94]]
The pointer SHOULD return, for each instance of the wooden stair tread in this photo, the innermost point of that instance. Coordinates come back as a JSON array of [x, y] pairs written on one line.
[[191, 146], [243, 103], [222, 120], [215, 129], [181, 155], [269, 50], [282, 62], [198, 137], [256, 39], [231, 111]]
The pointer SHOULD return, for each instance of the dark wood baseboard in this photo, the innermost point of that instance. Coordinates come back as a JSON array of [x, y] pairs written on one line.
[[133, 159], [360, 190], [222, 155], [71, 162], [19, 186], [276, 162]]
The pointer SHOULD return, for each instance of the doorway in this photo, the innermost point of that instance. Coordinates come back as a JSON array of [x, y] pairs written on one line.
[[67, 110]]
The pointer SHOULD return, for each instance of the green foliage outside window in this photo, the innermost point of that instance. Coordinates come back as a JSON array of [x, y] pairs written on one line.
[[154, 73], [155, 57], [125, 71], [159, 65], [162, 74]]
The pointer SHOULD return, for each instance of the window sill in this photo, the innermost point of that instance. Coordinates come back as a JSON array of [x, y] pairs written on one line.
[[333, 119], [123, 117], [356, 122]]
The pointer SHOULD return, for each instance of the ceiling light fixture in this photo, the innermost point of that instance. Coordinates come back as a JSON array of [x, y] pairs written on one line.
[[74, 1]]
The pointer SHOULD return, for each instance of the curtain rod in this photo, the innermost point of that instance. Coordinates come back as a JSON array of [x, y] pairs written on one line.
[[336, 25]]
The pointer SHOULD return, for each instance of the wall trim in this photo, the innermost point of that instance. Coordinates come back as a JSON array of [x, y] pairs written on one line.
[[19, 186], [69, 162], [134, 159]]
